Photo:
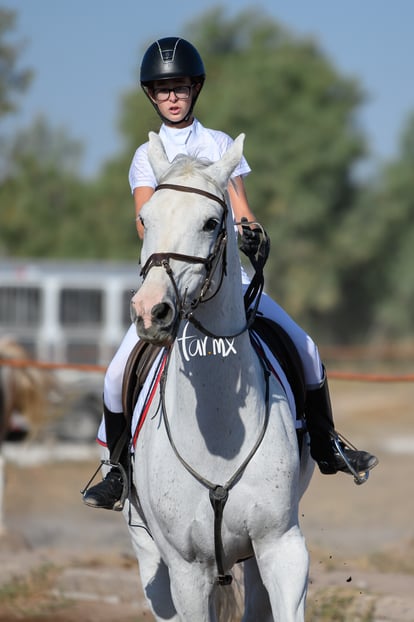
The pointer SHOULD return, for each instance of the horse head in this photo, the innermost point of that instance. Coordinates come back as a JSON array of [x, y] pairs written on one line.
[[187, 225]]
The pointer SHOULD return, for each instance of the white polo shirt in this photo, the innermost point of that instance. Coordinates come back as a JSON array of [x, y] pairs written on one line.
[[195, 140]]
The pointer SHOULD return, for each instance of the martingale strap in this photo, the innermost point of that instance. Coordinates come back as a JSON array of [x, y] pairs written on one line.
[[218, 493]]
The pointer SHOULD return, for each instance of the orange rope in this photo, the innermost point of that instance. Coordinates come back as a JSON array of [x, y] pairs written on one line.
[[45, 365], [332, 375], [339, 375]]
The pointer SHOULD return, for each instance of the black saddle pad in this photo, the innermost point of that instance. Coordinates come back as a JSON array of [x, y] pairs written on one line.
[[284, 350]]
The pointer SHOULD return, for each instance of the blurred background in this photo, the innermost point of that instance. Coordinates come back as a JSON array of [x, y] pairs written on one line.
[[325, 95]]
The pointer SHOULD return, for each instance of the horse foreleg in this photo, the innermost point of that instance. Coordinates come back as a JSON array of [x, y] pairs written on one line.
[[185, 597], [193, 592], [154, 574], [284, 565], [256, 598]]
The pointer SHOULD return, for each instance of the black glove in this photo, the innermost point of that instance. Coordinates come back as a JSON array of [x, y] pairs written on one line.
[[250, 240], [255, 243]]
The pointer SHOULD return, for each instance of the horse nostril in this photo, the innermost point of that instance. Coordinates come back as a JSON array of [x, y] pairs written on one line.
[[162, 312]]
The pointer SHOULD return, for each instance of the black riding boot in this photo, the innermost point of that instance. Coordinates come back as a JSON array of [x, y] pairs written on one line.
[[108, 494], [327, 448]]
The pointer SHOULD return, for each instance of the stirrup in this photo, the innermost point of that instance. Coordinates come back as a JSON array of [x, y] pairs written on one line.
[[119, 505], [340, 442]]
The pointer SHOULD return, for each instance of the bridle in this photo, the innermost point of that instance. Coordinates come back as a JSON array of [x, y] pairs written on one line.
[[162, 259], [210, 263]]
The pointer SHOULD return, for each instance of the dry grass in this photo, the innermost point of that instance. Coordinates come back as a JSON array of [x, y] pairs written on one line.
[[30, 596], [340, 605]]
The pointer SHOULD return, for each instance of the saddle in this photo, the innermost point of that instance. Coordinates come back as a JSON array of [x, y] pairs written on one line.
[[138, 366]]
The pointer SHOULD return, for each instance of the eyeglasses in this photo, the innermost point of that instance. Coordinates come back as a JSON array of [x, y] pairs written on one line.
[[162, 94]]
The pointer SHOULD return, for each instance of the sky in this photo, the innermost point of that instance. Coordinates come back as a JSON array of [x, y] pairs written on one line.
[[86, 53]]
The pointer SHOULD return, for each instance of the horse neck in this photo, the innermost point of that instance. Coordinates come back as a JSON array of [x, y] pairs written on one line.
[[224, 314], [223, 308], [215, 384], [218, 347], [214, 393]]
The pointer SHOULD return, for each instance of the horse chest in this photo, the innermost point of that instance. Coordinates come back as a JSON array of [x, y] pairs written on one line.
[[181, 518]]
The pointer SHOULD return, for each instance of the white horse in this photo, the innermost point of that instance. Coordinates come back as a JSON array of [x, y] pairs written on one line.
[[217, 469]]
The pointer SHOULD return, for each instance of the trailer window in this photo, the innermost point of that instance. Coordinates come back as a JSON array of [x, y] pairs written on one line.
[[20, 306], [81, 306]]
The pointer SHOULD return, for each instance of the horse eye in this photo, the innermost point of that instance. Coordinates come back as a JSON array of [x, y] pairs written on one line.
[[211, 224]]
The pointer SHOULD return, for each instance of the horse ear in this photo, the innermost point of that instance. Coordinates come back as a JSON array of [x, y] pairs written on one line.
[[157, 156], [221, 170]]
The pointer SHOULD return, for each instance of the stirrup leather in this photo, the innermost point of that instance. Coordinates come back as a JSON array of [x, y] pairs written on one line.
[[340, 443]]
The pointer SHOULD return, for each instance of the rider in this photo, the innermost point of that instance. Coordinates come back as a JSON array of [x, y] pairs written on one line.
[[172, 76]]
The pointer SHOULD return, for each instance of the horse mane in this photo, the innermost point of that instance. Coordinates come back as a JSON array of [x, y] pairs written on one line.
[[188, 165]]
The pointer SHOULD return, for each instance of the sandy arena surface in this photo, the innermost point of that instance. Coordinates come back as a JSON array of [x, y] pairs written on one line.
[[65, 562]]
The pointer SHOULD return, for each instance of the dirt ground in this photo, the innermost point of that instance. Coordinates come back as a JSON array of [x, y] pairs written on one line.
[[65, 562]]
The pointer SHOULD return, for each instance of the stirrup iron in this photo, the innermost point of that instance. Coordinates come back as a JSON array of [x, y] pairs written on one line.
[[119, 505], [339, 442]]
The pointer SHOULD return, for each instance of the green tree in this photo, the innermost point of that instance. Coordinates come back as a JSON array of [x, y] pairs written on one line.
[[44, 203], [302, 143], [13, 80], [46, 209], [39, 191], [380, 240]]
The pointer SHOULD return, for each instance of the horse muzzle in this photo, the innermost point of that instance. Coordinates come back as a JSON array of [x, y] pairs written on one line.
[[157, 324]]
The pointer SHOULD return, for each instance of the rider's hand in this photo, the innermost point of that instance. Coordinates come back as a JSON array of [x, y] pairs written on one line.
[[250, 240], [254, 242]]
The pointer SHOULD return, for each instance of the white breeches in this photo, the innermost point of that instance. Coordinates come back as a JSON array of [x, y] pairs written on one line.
[[307, 350]]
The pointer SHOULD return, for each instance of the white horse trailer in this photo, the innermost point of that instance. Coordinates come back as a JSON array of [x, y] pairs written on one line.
[[66, 311]]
